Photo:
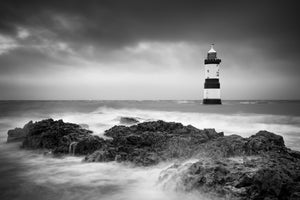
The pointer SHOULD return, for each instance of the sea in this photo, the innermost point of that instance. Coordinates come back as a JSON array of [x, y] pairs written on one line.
[[31, 175]]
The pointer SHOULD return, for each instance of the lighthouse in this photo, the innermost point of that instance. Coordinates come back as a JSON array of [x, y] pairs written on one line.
[[212, 93]]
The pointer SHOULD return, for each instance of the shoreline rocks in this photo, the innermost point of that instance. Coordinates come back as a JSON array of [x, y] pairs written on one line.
[[231, 167], [149, 143], [252, 177], [57, 136]]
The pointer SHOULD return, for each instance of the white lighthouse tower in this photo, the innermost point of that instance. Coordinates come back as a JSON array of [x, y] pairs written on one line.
[[212, 93]]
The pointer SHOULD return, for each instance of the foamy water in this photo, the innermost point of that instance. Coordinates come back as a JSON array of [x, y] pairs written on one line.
[[242, 124], [68, 178], [31, 175]]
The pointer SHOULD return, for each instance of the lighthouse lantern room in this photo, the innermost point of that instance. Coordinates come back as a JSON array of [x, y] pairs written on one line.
[[212, 93]]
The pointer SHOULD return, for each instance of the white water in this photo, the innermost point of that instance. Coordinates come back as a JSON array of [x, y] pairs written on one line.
[[69, 179], [30, 175], [242, 124]]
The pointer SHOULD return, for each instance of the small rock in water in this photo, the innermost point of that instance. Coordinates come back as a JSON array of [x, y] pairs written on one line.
[[128, 120]]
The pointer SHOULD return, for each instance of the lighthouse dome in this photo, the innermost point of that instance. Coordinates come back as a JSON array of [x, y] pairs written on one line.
[[212, 49]]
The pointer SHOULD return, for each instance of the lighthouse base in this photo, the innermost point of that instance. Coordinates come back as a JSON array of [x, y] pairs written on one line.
[[212, 101]]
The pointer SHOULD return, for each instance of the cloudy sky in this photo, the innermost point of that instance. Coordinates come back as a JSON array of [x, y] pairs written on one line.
[[147, 49]]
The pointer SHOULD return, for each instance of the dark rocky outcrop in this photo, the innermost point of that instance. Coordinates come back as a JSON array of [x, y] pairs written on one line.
[[151, 142], [57, 136], [254, 177], [258, 167], [231, 167], [235, 145]]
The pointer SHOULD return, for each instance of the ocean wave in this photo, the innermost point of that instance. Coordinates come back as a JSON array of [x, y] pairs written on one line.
[[244, 124]]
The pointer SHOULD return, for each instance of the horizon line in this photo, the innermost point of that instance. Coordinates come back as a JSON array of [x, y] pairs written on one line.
[[145, 99]]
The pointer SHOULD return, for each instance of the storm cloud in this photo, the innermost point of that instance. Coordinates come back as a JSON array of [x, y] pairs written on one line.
[[147, 49]]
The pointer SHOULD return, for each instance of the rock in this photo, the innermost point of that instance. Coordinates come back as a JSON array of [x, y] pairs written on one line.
[[145, 143], [89, 144], [170, 140], [267, 177], [57, 136], [265, 169], [235, 145], [148, 143], [128, 120], [264, 141], [226, 146], [50, 134], [295, 154]]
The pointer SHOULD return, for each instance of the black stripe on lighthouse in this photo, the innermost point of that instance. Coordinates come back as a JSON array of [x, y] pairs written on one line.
[[212, 83], [212, 101], [212, 61]]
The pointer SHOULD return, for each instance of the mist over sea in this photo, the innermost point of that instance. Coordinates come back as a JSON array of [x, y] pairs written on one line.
[[31, 175]]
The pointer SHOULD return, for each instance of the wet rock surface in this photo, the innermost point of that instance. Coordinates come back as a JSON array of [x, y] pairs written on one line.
[[258, 167], [235, 145], [230, 167], [57, 136], [149, 143], [253, 177]]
